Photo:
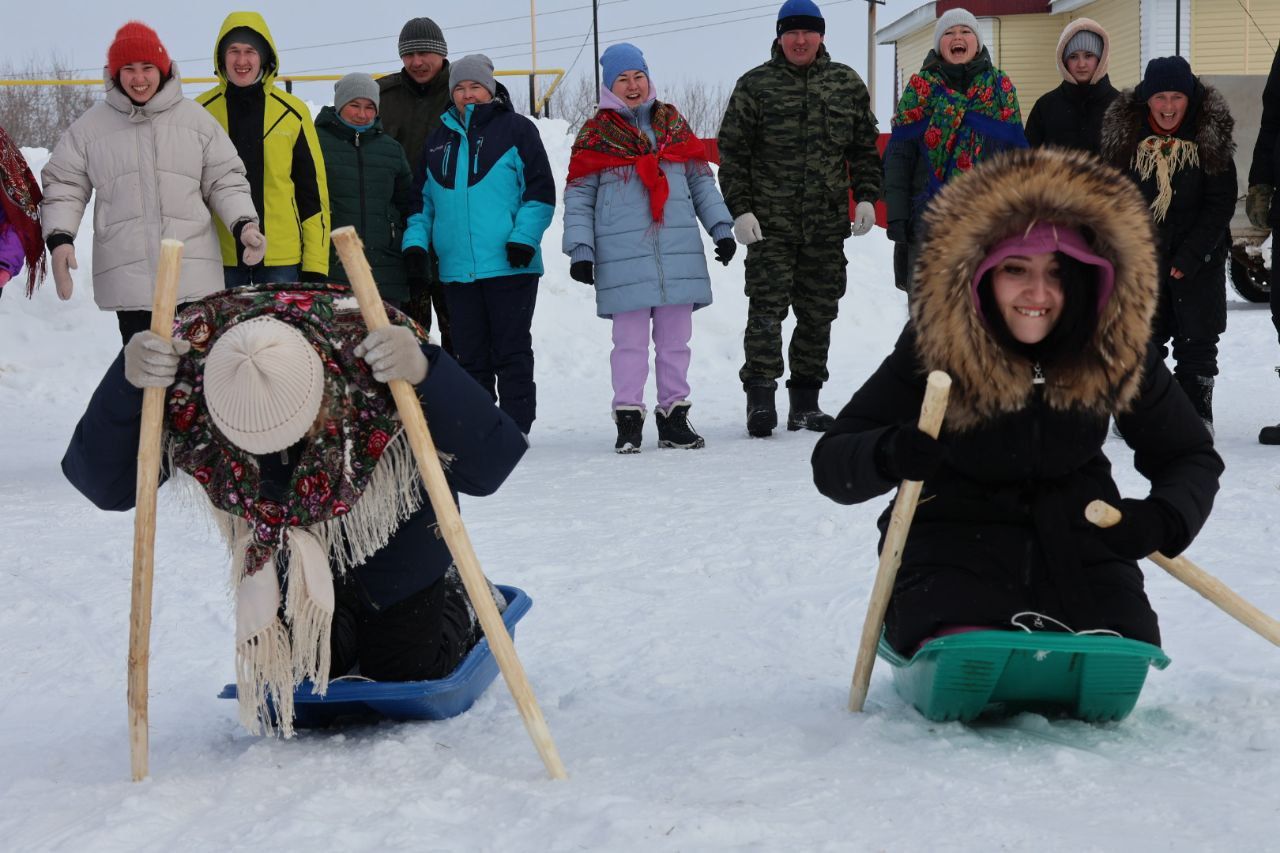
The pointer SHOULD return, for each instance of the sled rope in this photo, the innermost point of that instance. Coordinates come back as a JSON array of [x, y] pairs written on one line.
[[937, 388], [351, 251]]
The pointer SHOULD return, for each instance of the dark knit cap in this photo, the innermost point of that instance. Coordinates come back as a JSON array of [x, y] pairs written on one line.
[[423, 35], [251, 37], [136, 42], [801, 15], [1167, 74]]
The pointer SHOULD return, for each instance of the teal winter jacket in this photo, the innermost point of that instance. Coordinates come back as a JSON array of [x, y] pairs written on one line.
[[487, 183]]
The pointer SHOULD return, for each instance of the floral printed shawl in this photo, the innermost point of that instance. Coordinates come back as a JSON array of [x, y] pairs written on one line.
[[353, 485], [955, 128]]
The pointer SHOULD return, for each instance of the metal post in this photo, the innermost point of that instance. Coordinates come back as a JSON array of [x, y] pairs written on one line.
[[595, 33], [533, 54], [1177, 28], [871, 53]]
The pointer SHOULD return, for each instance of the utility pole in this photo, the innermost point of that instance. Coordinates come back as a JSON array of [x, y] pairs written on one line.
[[871, 51], [533, 50], [595, 33], [1177, 28]]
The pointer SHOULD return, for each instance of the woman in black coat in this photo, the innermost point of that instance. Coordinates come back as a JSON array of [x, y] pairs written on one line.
[[1173, 134], [1035, 293], [1264, 173], [1070, 116]]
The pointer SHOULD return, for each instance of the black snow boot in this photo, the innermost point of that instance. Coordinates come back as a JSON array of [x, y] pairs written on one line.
[[1199, 390], [805, 413], [1270, 434], [674, 429], [762, 416], [630, 421]]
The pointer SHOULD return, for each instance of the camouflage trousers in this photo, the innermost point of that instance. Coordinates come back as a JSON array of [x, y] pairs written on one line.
[[807, 278]]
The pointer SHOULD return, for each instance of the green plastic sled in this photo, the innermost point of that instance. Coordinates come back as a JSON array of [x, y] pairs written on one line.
[[1089, 677]]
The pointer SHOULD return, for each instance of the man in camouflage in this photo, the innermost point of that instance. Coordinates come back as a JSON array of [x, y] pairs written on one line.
[[798, 134]]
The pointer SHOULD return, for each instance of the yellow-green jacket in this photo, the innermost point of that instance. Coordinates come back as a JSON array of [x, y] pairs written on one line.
[[274, 135]]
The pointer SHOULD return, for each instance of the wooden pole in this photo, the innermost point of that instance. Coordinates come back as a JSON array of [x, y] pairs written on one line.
[[351, 251], [1104, 514], [164, 303], [936, 390]]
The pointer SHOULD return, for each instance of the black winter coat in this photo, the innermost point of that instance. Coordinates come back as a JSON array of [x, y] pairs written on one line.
[[1265, 168], [1193, 236], [1000, 527], [409, 113], [370, 187], [1070, 116], [485, 445]]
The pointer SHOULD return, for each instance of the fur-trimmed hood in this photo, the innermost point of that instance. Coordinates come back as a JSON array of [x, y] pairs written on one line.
[[1208, 124], [1068, 32], [1005, 196]]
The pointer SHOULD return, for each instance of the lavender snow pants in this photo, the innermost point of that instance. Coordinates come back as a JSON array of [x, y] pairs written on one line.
[[672, 328]]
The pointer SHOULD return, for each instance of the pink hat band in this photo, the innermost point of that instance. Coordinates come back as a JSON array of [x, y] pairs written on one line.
[[1047, 237]]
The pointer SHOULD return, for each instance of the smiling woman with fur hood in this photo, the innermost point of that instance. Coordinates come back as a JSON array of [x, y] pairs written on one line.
[[1000, 529]]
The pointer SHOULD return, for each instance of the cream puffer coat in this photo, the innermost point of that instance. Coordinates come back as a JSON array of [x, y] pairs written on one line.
[[160, 170]]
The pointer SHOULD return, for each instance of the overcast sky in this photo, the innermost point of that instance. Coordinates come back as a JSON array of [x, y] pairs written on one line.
[[711, 40]]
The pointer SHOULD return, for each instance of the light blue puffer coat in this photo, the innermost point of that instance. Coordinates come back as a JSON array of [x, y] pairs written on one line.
[[639, 264]]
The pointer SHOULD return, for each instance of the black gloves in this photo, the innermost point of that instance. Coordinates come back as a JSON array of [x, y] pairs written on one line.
[[583, 271], [1145, 526], [906, 453], [725, 249], [415, 264], [519, 255]]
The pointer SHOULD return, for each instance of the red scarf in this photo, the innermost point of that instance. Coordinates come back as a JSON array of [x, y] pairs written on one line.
[[609, 141], [20, 197]]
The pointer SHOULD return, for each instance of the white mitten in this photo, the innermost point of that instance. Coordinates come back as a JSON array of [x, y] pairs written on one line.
[[64, 261], [254, 242], [746, 228], [393, 353], [150, 361], [864, 216]]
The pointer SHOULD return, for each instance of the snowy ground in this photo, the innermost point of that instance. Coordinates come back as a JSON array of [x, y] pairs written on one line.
[[693, 632]]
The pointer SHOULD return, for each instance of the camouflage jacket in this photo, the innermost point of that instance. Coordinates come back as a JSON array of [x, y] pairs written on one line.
[[793, 142]]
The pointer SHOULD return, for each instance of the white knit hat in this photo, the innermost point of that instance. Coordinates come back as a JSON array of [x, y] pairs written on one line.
[[955, 18], [263, 383]]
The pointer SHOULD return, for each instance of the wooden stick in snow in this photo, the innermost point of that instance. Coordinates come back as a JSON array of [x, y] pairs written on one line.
[[164, 303], [1104, 514], [936, 390], [351, 250]]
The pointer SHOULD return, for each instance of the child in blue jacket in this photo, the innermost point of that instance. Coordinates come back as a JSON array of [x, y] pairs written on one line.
[[487, 198]]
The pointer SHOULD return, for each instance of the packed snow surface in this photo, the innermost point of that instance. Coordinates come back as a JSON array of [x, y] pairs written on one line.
[[691, 642]]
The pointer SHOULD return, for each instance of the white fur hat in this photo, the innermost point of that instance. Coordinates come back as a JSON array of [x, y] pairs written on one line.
[[263, 384]]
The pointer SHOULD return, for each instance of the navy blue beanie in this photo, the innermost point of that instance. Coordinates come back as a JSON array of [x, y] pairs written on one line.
[[1167, 74], [801, 15], [619, 59]]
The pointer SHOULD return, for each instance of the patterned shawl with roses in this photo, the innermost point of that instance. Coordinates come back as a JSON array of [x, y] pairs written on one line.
[[354, 483], [956, 129]]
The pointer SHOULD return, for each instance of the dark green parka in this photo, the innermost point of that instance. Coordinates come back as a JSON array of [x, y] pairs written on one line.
[[793, 142], [370, 187], [410, 111]]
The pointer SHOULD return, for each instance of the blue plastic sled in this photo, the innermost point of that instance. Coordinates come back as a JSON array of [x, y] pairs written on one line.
[[437, 699]]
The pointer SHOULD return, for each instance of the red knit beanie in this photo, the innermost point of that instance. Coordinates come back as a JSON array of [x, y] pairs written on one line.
[[136, 42]]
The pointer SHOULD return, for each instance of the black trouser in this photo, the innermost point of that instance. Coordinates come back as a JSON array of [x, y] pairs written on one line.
[[1275, 279], [132, 322], [1195, 351], [425, 636], [493, 339]]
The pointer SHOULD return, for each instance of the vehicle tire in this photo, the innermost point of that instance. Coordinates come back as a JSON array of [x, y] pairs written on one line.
[[1250, 276]]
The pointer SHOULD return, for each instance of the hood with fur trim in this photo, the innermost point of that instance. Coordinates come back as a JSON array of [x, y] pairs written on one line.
[[1068, 33], [1005, 196], [1208, 124]]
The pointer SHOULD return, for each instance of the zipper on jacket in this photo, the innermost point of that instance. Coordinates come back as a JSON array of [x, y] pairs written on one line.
[[444, 165], [364, 226], [475, 166], [1038, 376]]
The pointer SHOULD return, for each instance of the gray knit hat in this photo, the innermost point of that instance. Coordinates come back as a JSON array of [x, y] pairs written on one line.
[[263, 384], [423, 35], [955, 18], [354, 85], [1083, 40], [477, 67]]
